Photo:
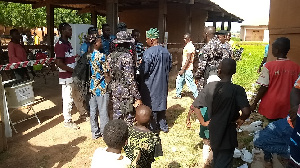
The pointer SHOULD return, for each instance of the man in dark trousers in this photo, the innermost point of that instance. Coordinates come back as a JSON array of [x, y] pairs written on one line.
[[223, 101], [155, 68]]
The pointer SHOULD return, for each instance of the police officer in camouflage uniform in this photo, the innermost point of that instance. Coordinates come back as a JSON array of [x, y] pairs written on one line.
[[125, 94]]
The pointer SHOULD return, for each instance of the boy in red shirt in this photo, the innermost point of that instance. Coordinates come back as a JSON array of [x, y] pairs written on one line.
[[276, 79]]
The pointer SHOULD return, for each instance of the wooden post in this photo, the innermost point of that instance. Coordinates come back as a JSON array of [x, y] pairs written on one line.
[[215, 24], [222, 25], [188, 28], [112, 14], [162, 19], [94, 18], [229, 26], [50, 28]]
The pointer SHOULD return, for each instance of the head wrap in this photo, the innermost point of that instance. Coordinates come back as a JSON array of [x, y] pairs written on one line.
[[153, 33]]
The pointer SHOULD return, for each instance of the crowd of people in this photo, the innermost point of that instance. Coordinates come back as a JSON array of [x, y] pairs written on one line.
[[117, 79], [134, 78]]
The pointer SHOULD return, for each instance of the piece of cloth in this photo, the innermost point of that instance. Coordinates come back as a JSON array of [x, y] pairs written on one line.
[[63, 50], [16, 53], [106, 44], [104, 159], [279, 76], [186, 77], [98, 63], [275, 138], [153, 33], [123, 84], [84, 48], [295, 143], [155, 68], [159, 121], [188, 49], [100, 103], [223, 101], [297, 83], [210, 56], [142, 147], [69, 95], [223, 158], [266, 50], [204, 132]]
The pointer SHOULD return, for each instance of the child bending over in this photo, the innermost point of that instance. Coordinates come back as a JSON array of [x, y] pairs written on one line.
[[143, 145]]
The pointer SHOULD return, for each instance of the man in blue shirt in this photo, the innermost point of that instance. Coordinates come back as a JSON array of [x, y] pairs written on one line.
[[106, 38], [85, 45]]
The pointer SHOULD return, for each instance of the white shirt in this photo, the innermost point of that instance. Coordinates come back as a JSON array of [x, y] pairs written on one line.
[[104, 159]]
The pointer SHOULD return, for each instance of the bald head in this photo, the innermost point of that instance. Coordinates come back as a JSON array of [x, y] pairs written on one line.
[[227, 67], [143, 114]]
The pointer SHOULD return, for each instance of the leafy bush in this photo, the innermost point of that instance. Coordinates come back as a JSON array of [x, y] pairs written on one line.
[[246, 73]]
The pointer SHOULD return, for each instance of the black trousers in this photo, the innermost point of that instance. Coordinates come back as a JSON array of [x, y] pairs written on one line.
[[222, 158]]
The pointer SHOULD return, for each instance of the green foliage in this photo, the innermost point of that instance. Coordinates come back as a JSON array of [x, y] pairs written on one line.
[[23, 16], [246, 73], [236, 39]]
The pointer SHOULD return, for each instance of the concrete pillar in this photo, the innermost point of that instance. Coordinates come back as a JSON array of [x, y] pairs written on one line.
[[112, 14], [162, 19], [50, 28]]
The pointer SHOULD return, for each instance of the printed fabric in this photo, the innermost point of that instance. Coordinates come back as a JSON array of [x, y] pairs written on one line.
[[142, 147], [98, 68]]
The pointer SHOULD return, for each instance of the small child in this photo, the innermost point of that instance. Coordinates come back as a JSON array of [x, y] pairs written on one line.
[[115, 136], [143, 145]]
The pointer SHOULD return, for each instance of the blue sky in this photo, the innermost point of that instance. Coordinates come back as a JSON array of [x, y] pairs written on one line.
[[254, 12]]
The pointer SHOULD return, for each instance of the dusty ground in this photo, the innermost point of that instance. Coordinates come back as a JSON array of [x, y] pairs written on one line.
[[51, 145]]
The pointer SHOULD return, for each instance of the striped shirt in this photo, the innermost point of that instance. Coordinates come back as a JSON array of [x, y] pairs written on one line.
[[63, 50]]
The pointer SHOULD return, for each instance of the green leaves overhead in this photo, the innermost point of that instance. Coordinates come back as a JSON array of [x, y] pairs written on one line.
[[23, 16]]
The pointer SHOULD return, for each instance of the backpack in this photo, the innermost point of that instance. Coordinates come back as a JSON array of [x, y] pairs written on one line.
[[81, 74]]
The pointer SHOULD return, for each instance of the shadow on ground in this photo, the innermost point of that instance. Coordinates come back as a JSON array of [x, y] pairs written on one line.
[[173, 113]]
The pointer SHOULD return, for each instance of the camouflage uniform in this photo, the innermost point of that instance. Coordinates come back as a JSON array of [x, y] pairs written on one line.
[[227, 50], [211, 54], [123, 85]]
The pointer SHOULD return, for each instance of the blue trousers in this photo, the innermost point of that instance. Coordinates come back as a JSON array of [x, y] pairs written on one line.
[[275, 138], [100, 102], [159, 121], [186, 77]]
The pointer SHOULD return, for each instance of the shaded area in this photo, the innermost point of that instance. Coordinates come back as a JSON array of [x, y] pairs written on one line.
[[173, 113]]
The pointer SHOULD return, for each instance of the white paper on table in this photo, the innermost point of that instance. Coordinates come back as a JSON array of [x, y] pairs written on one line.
[[24, 93]]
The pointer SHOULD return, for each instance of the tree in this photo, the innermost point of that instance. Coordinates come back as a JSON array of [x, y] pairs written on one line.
[[23, 16]]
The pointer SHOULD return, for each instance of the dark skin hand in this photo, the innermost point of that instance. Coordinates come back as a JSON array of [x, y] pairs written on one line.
[[245, 114], [261, 65], [261, 92], [200, 117], [188, 60], [63, 66]]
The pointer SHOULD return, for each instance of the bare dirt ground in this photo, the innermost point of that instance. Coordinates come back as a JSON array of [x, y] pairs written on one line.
[[49, 144]]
